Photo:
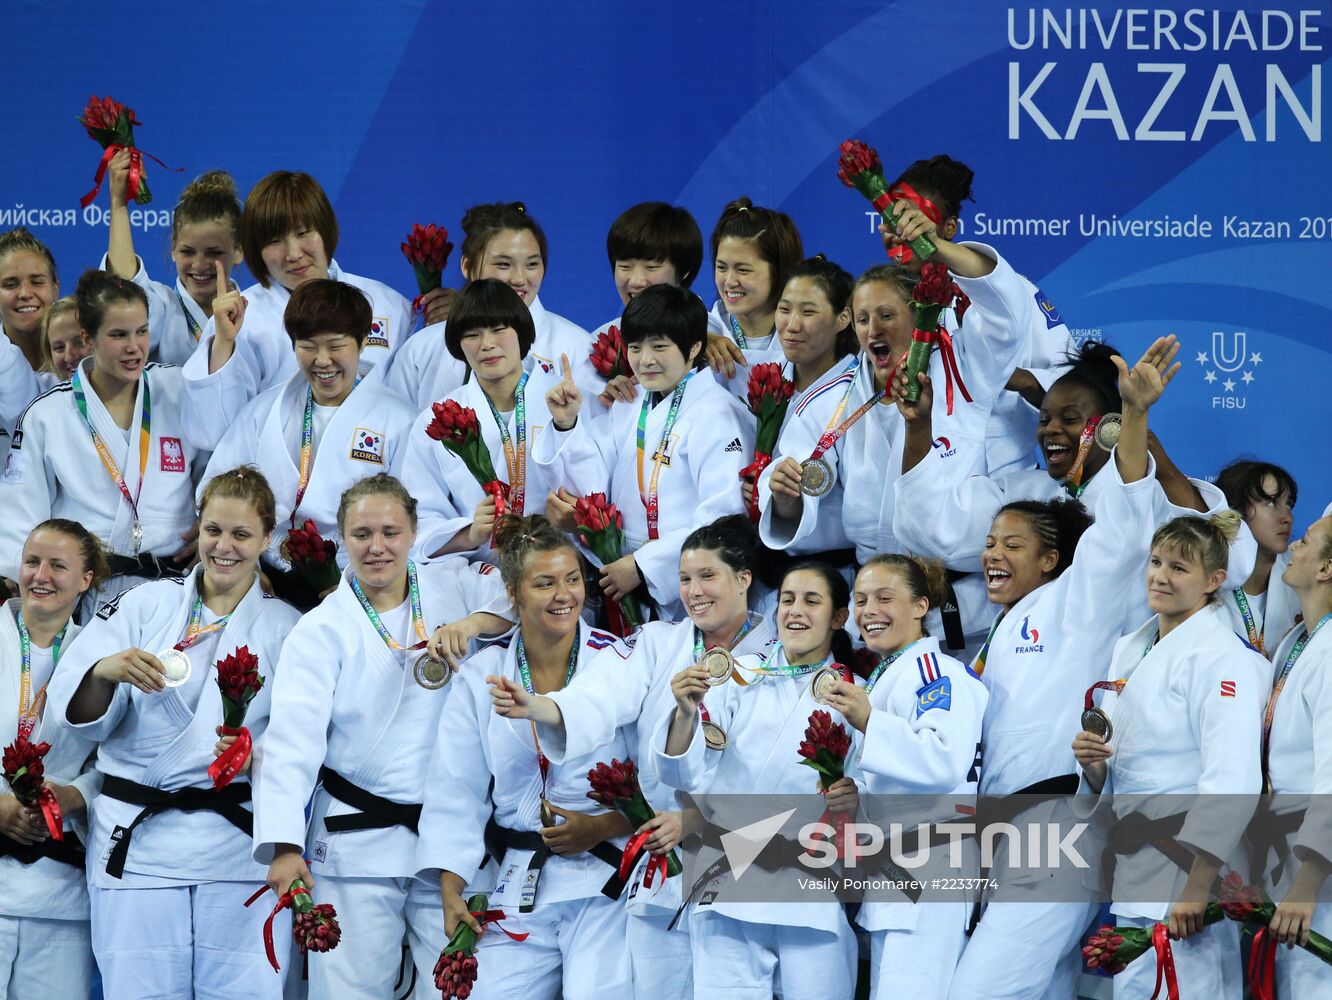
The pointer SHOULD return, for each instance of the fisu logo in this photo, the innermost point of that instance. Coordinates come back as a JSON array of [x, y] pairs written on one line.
[[1229, 355]]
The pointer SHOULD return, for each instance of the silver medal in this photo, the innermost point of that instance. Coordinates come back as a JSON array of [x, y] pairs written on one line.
[[821, 684], [175, 667], [431, 674], [1108, 430], [816, 477]]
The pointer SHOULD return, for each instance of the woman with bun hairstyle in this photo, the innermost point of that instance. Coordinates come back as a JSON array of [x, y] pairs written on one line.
[[920, 712], [718, 566], [491, 332], [168, 851], [764, 706], [937, 187], [205, 232], [361, 684], [501, 241], [1059, 582], [109, 448], [288, 235], [669, 459], [820, 355], [45, 949], [944, 511], [1182, 716], [1262, 609], [753, 251], [503, 818]]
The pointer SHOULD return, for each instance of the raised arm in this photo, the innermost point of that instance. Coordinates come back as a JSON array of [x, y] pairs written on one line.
[[1140, 387]]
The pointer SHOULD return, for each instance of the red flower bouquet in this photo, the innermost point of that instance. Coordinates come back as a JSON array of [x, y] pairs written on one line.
[[934, 292], [314, 927], [769, 396], [601, 527], [608, 356], [457, 968], [858, 167], [25, 773], [457, 429], [824, 748], [1247, 905], [111, 125], [238, 677], [615, 786], [427, 249], [313, 557]]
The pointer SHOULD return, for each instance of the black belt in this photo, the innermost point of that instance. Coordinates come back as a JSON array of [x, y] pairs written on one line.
[[227, 802], [1268, 832], [778, 853], [500, 839], [145, 565], [954, 634], [68, 851], [376, 812]]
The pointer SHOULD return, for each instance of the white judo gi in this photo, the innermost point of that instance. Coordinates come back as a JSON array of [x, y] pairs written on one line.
[[1271, 614], [484, 765], [698, 481], [187, 868], [757, 350], [175, 320], [351, 704], [45, 943]]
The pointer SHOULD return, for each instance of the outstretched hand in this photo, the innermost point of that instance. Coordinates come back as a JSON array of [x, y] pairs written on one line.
[[1142, 385]]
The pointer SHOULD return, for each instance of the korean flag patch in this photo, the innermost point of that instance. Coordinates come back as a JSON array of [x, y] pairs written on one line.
[[378, 333], [368, 446], [936, 694]]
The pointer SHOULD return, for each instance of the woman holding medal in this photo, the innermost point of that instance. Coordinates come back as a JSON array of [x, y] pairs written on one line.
[[1181, 716], [667, 460], [491, 331], [492, 790], [109, 449], [1047, 566], [168, 849], [355, 711], [44, 938], [321, 430], [920, 712], [747, 949], [1263, 608], [1297, 745], [717, 567]]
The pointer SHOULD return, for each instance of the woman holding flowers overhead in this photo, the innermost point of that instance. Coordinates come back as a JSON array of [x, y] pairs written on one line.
[[44, 937], [169, 835], [717, 567], [503, 405], [492, 791], [355, 712], [318, 432], [669, 459], [769, 708]]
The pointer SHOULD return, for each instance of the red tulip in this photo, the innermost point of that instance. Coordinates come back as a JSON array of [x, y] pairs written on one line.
[[104, 114], [855, 161], [608, 356]]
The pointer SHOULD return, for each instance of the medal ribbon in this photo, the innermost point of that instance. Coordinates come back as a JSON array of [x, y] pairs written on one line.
[[516, 460], [1250, 625], [834, 431], [771, 668], [104, 453], [30, 709], [1115, 686], [649, 498], [307, 450], [885, 663], [741, 341], [1073, 481], [418, 619], [978, 665], [193, 633], [191, 323], [525, 675], [1270, 712]]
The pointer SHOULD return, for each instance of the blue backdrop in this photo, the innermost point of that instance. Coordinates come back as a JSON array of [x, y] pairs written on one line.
[[1155, 170]]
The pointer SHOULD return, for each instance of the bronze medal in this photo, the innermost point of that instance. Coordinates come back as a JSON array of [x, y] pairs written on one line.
[[1096, 721], [713, 735], [1108, 431], [547, 817], [816, 477], [431, 674], [718, 663]]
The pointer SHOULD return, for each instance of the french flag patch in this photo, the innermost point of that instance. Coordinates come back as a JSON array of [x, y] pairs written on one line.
[[1227, 689]]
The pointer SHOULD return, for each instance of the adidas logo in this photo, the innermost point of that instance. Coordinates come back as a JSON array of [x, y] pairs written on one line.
[[734, 446]]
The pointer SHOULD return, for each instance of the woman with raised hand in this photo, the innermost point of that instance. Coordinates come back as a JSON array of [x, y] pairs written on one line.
[[920, 712], [110, 449], [169, 851], [504, 242], [1181, 716], [718, 563], [504, 818], [44, 935], [355, 712], [205, 249], [1058, 581], [491, 331]]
